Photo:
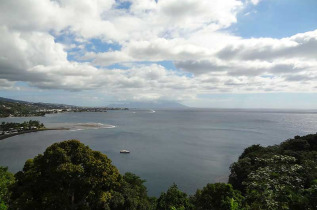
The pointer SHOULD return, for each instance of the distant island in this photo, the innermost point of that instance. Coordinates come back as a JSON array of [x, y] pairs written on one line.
[[17, 108]]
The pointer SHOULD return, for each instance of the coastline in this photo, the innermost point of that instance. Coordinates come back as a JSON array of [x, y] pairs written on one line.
[[2, 137]]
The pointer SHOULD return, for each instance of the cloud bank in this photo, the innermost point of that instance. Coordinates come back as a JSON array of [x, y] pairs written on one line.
[[189, 34]]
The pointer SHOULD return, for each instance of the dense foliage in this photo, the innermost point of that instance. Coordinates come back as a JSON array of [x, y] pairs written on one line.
[[26, 125], [8, 108], [173, 199], [132, 195], [278, 177], [6, 179], [218, 196], [69, 175]]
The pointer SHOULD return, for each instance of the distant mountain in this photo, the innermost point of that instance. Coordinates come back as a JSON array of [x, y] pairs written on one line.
[[130, 105], [150, 105], [12, 100]]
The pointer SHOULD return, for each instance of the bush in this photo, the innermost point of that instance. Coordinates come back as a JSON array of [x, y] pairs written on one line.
[[218, 196], [173, 199], [6, 180]]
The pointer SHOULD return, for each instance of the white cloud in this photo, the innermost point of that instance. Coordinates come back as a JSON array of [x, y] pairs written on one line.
[[107, 58], [298, 46], [6, 85], [188, 33], [255, 2]]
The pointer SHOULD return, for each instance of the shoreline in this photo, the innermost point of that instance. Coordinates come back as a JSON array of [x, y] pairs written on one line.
[[2, 137]]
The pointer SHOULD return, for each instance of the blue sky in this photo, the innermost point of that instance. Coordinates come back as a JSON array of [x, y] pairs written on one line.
[[231, 54], [277, 19]]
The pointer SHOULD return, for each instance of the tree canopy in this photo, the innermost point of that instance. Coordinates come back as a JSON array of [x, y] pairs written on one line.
[[69, 175], [278, 177], [6, 179], [173, 199], [132, 195], [218, 196]]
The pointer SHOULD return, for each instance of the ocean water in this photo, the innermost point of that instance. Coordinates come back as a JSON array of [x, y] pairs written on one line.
[[188, 147]]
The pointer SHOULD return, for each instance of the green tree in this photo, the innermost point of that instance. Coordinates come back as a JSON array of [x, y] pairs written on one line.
[[6, 180], [218, 196], [173, 199], [278, 185], [311, 195], [247, 163], [133, 194], [69, 175]]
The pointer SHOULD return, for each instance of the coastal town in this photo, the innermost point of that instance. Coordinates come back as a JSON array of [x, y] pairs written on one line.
[[8, 129], [14, 108]]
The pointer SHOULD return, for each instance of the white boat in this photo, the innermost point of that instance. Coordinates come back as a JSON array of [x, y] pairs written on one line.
[[124, 151]]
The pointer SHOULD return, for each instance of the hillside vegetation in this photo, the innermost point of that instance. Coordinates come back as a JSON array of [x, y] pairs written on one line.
[[69, 175], [8, 109]]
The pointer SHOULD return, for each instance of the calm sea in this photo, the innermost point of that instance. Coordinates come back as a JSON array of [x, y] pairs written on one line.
[[188, 147]]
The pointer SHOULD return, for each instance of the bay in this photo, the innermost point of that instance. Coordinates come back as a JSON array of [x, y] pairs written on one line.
[[189, 147]]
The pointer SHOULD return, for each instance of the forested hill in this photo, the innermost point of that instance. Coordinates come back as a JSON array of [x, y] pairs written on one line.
[[12, 108], [69, 175], [36, 105], [17, 108]]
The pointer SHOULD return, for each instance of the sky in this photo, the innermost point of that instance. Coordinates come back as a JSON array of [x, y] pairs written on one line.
[[201, 53]]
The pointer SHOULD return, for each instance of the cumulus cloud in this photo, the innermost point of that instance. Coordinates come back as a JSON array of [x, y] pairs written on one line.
[[298, 46], [201, 66], [21, 51], [188, 33], [6, 85]]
